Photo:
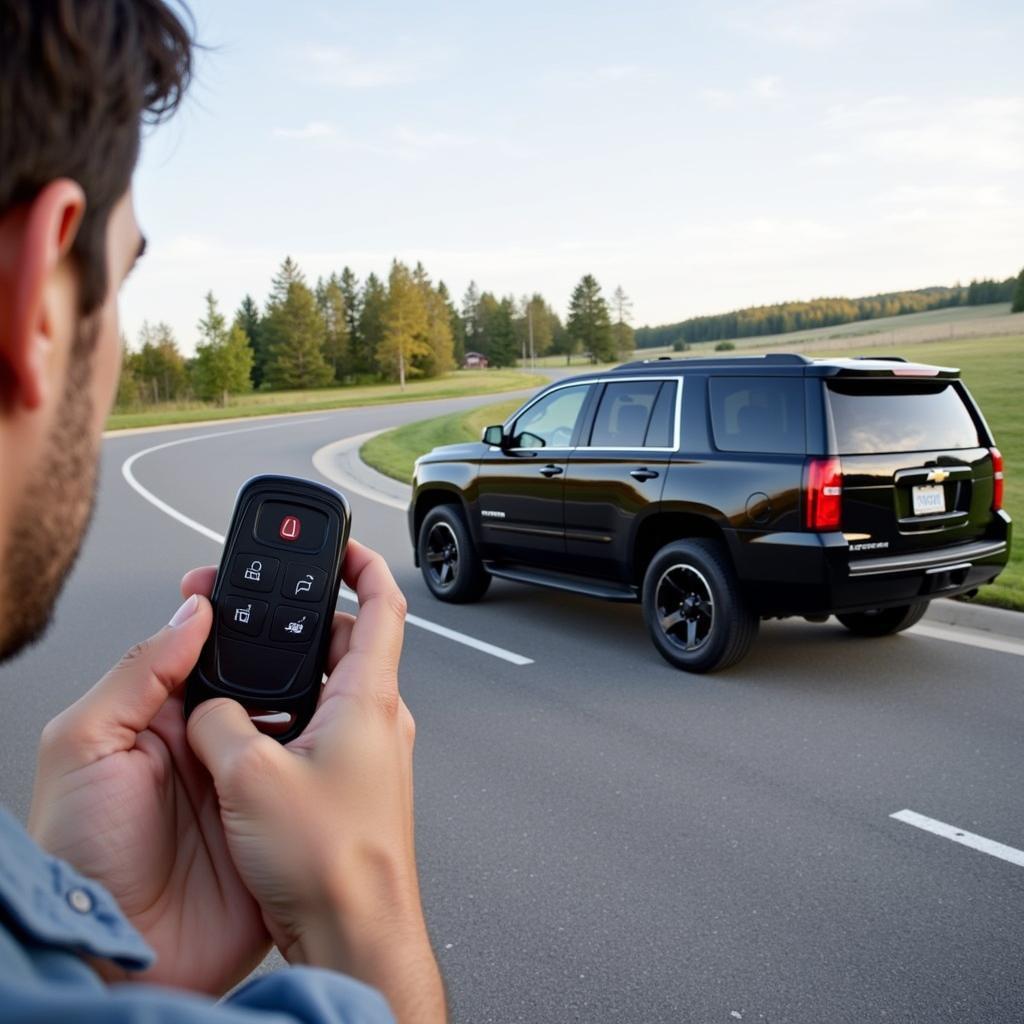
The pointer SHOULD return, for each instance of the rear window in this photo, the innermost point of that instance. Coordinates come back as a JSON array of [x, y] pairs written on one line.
[[899, 416], [758, 414]]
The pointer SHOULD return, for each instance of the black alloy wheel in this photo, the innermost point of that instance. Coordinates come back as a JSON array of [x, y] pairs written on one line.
[[695, 611], [448, 558]]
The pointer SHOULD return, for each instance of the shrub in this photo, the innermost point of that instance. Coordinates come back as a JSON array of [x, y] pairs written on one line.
[[725, 346]]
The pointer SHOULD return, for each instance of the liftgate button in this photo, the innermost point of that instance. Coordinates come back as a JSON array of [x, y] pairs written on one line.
[[290, 528]]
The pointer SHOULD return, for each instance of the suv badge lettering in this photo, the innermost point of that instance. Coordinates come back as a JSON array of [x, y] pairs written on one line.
[[936, 476], [489, 513], [872, 545]]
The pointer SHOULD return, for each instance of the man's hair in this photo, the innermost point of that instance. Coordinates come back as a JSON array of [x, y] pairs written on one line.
[[77, 79]]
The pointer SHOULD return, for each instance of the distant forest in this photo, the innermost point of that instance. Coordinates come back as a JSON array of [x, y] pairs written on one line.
[[828, 312]]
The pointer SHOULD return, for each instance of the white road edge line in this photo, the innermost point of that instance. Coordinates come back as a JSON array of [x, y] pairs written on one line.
[[218, 538], [970, 638], [958, 835]]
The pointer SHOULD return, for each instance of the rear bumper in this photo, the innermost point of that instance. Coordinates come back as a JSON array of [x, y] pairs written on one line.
[[814, 574]]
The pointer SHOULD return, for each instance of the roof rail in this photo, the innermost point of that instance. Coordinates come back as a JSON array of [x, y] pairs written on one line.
[[786, 358], [884, 359]]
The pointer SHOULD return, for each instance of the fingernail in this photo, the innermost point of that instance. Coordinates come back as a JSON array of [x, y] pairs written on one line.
[[186, 611]]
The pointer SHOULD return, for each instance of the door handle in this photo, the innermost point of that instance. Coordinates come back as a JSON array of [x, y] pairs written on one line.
[[644, 474], [550, 471]]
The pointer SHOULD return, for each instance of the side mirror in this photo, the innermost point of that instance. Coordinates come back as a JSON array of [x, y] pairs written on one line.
[[494, 436]]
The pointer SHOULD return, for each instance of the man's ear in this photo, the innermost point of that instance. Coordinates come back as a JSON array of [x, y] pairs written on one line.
[[41, 290]]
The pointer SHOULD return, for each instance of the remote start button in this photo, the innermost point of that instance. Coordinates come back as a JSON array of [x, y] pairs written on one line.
[[291, 526], [293, 625]]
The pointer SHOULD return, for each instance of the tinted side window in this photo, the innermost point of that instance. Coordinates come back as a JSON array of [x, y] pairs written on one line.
[[623, 414], [899, 416], [758, 414], [661, 429], [550, 422]]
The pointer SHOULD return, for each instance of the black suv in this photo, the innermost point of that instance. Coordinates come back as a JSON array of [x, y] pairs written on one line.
[[722, 491]]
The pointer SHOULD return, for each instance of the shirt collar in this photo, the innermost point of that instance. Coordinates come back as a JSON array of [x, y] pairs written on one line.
[[52, 905]]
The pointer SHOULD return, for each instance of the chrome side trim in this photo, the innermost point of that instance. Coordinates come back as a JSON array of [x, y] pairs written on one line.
[[940, 560]]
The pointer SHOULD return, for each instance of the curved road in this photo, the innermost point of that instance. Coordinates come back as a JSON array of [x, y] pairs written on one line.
[[601, 837]]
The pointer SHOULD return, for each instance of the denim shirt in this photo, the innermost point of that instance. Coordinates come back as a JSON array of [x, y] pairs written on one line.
[[51, 917]]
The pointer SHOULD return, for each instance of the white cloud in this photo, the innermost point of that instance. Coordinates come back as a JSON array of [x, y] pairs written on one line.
[[765, 89], [812, 24], [311, 130], [345, 68], [769, 87], [985, 133]]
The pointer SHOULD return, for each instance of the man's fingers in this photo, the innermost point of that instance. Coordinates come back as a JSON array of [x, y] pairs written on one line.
[[199, 581], [225, 739], [380, 625], [125, 700], [341, 635]]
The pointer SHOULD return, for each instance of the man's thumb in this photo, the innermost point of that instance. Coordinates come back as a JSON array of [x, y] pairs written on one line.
[[221, 733], [126, 699]]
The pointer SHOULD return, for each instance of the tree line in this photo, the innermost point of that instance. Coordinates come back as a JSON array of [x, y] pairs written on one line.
[[783, 317], [342, 331]]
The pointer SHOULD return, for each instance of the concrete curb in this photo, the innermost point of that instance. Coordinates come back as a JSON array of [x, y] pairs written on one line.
[[341, 463], [965, 615]]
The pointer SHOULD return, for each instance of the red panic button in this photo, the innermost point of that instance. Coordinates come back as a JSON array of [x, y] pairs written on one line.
[[290, 528]]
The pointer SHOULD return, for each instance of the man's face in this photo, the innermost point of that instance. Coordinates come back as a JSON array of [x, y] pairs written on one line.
[[51, 516]]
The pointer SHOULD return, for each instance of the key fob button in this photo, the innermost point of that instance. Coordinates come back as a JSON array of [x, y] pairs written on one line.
[[243, 614], [298, 527], [256, 669], [293, 625], [250, 571], [303, 582]]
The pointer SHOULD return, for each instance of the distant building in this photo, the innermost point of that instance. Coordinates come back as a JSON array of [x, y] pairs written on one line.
[[474, 361]]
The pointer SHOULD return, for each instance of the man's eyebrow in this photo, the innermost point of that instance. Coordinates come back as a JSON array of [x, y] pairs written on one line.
[[142, 249]]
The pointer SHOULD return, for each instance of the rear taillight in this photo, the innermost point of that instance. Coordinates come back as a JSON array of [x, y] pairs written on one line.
[[823, 494], [997, 479]]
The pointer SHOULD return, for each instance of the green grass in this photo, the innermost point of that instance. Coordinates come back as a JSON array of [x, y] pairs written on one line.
[[992, 367], [395, 451], [273, 403]]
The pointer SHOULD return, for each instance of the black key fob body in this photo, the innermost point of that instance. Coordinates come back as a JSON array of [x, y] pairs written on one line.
[[273, 601]]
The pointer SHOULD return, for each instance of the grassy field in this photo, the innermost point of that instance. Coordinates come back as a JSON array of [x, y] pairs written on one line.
[[934, 325], [992, 367], [271, 403], [395, 452]]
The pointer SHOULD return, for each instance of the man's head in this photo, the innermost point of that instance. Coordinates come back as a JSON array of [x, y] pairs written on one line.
[[77, 78]]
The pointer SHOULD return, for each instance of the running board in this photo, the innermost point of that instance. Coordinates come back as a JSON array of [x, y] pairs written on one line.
[[565, 581]]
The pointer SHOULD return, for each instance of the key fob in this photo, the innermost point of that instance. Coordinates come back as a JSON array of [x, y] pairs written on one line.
[[273, 601]]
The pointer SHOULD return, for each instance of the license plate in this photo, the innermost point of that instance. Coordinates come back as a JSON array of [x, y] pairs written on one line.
[[929, 500]]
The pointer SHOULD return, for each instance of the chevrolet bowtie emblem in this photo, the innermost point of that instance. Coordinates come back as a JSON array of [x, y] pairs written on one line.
[[938, 475]]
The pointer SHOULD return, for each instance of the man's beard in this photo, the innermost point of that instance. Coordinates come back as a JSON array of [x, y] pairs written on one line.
[[51, 516]]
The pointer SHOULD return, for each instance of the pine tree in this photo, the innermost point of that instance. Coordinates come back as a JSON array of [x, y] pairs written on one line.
[[297, 359], [623, 335], [471, 320], [359, 360], [439, 338], [458, 329], [589, 326], [248, 318], [1018, 295], [160, 367], [371, 323], [496, 330], [405, 322], [330, 300], [223, 363]]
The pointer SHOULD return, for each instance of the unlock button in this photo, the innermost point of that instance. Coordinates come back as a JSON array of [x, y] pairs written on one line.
[[250, 571]]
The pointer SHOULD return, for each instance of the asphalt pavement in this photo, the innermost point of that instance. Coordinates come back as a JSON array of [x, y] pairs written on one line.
[[601, 837]]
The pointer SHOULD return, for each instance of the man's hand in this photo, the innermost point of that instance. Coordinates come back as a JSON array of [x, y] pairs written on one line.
[[322, 830], [120, 795]]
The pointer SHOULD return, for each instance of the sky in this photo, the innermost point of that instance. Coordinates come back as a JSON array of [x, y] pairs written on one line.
[[703, 155]]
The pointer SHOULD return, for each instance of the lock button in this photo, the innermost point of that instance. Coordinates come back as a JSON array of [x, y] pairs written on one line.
[[250, 571]]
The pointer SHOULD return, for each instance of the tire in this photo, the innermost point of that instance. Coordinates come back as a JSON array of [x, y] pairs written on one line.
[[448, 557], [692, 581], [884, 621]]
